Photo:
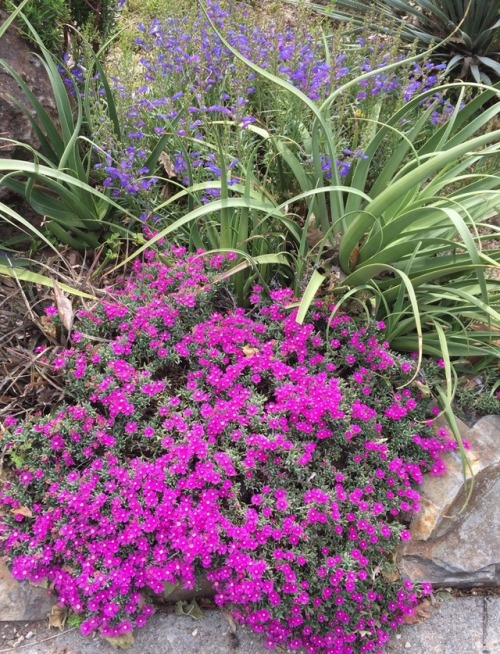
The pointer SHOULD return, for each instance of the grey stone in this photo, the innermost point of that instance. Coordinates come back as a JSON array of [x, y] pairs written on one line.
[[440, 493], [456, 627], [21, 600], [492, 625], [164, 634], [452, 545]]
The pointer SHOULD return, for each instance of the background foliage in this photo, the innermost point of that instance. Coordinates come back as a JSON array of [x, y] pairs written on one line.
[[51, 19]]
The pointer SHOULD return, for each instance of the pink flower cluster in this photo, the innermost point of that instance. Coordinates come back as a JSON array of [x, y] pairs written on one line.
[[276, 459]]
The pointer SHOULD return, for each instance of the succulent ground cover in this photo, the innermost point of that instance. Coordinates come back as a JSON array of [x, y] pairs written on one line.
[[278, 460]]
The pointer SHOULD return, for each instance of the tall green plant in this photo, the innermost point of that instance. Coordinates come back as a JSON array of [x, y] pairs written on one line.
[[239, 222], [10, 267], [58, 184], [468, 31], [409, 237]]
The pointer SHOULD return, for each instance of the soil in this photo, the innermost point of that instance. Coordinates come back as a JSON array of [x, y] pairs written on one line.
[[9, 232], [14, 635]]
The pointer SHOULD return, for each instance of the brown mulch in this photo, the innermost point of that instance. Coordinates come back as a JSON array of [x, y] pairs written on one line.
[[22, 385], [26, 383]]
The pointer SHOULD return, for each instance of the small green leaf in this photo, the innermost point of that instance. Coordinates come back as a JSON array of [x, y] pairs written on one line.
[[444, 595], [17, 460], [189, 608], [74, 620], [120, 642]]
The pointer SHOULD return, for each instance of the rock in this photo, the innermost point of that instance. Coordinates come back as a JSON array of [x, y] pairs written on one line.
[[21, 600], [455, 542], [439, 493], [13, 123]]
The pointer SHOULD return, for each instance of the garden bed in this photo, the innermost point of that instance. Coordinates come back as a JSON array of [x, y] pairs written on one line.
[[288, 212]]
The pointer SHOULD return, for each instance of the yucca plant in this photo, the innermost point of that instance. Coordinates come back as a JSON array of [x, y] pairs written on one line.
[[244, 221], [468, 31], [415, 246]]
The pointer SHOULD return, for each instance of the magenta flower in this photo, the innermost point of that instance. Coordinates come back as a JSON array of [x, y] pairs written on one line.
[[248, 452]]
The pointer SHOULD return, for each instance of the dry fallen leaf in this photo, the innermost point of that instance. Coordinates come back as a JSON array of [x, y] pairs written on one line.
[[22, 510], [390, 572], [57, 617], [421, 612], [230, 620], [43, 583], [122, 642], [64, 307], [167, 164], [314, 236], [353, 258], [249, 351]]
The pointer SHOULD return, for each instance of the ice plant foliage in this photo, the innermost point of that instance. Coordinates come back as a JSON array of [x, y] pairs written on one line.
[[279, 460]]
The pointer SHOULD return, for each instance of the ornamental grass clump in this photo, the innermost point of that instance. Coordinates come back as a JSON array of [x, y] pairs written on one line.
[[278, 460]]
